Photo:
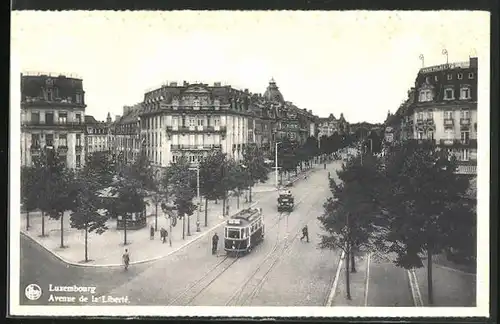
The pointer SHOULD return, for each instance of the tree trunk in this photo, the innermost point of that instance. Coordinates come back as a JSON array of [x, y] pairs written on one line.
[[224, 206], [43, 223], [250, 194], [347, 277], [206, 212], [183, 227], [189, 225], [125, 230], [429, 277], [27, 220], [238, 200], [170, 234], [156, 217], [62, 230], [86, 243], [353, 263]]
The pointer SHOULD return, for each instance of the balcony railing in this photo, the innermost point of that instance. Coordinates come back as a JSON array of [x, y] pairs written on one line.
[[196, 129], [448, 122], [55, 123], [448, 142], [35, 149], [466, 169], [472, 143], [175, 147], [62, 149], [465, 121]]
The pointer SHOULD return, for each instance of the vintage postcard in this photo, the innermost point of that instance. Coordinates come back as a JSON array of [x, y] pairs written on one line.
[[257, 164]]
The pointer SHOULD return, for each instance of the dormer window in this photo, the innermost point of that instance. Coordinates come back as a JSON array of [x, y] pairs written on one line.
[[464, 93], [449, 94], [425, 95], [449, 77], [471, 75], [460, 76]]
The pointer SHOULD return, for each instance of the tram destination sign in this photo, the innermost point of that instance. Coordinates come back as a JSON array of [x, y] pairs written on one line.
[[442, 67]]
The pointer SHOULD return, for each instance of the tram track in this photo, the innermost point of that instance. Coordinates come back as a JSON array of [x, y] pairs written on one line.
[[243, 296], [187, 296]]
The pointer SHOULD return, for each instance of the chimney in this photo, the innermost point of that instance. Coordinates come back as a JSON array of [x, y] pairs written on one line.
[[117, 117], [473, 62], [185, 83], [173, 84], [310, 111], [246, 90]]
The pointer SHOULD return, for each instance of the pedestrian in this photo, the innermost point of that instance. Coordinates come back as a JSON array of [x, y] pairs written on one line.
[[163, 235], [151, 233], [305, 234], [328, 174], [215, 243], [324, 166], [227, 209], [126, 259]]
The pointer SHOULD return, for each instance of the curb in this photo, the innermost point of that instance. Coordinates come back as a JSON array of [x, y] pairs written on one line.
[[115, 265]]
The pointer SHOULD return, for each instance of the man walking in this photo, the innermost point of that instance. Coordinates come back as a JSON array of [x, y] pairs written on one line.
[[215, 243], [151, 233], [126, 259], [305, 234], [163, 235]]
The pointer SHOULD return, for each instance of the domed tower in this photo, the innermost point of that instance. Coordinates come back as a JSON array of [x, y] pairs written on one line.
[[108, 119], [272, 93]]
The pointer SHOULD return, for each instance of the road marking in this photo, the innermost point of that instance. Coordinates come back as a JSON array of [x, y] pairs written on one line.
[[335, 281], [367, 278]]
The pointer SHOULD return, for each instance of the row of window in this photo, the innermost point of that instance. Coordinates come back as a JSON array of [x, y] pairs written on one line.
[[449, 135], [62, 117], [53, 93], [49, 140], [449, 94], [464, 114], [195, 121], [192, 158], [449, 77]]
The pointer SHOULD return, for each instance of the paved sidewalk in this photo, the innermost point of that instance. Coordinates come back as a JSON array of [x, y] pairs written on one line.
[[105, 250], [375, 283], [451, 287]]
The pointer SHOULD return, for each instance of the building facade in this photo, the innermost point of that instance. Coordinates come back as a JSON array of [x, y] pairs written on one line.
[[52, 117], [330, 125], [124, 133], [97, 135], [442, 108]]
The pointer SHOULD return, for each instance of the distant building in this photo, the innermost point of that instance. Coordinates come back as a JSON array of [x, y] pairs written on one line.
[[330, 125], [52, 117], [125, 134], [97, 135]]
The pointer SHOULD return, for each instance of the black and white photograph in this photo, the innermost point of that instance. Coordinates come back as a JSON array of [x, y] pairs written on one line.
[[249, 163]]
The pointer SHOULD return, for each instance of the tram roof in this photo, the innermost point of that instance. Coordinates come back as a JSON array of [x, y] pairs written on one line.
[[244, 217]]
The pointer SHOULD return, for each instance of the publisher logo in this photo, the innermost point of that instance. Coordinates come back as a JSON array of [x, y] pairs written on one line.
[[33, 291]]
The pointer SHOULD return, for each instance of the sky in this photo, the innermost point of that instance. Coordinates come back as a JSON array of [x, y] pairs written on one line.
[[358, 63]]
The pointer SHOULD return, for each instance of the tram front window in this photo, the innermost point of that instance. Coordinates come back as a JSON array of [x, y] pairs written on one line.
[[233, 233]]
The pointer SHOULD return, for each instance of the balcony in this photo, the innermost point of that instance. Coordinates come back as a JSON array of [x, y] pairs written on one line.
[[35, 149], [465, 121], [62, 149], [448, 122], [53, 124], [196, 129], [426, 141], [447, 142], [187, 147], [37, 102], [457, 143]]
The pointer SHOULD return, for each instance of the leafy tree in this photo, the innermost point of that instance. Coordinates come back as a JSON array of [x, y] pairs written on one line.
[[311, 147], [287, 156], [49, 174], [350, 214], [129, 196], [85, 214], [422, 197], [256, 170], [238, 178], [104, 167], [180, 179], [29, 193], [211, 175]]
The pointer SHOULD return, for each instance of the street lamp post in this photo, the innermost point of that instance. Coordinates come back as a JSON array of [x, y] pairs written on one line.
[[276, 163]]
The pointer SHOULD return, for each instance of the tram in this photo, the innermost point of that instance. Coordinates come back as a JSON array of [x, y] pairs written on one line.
[[244, 231]]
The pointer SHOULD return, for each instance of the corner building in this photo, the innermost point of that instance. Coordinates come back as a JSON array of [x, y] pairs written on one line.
[[192, 120], [52, 117], [444, 109]]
